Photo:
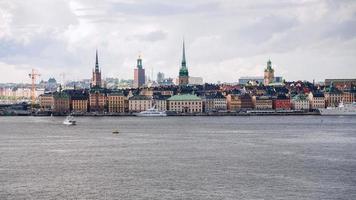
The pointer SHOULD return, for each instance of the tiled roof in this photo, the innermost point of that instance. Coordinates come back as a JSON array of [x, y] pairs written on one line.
[[184, 97], [140, 97]]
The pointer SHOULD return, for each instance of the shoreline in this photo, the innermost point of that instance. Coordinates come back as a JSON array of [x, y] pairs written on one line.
[[169, 114]]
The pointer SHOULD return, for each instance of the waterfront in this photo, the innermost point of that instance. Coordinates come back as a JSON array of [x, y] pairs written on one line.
[[274, 157]]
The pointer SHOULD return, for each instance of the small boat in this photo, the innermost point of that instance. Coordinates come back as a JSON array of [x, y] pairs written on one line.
[[115, 132], [69, 121], [152, 112]]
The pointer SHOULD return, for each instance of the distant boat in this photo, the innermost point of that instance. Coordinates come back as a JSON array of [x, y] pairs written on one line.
[[152, 112], [115, 132], [342, 109], [69, 121]]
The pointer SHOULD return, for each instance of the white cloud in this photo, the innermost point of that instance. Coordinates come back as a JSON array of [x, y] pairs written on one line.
[[224, 39]]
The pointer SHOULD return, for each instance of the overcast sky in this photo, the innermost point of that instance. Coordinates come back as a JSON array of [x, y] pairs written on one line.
[[225, 39]]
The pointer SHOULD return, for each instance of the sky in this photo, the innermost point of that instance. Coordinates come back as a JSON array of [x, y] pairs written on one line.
[[225, 39]]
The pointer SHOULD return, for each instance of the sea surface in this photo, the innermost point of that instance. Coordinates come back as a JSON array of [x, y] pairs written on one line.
[[260, 157]]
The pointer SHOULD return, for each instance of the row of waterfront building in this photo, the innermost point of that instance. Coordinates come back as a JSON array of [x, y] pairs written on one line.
[[203, 98]]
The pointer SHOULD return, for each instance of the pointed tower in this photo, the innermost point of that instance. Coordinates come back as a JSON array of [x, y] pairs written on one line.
[[96, 79], [183, 71], [139, 74], [269, 73], [96, 62]]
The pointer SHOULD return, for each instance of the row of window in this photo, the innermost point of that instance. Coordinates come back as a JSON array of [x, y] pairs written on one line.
[[186, 103]]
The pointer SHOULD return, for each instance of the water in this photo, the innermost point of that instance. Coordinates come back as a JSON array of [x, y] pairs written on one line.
[[294, 157]]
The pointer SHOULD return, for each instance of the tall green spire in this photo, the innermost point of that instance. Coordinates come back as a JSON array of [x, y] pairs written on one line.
[[139, 62], [183, 70], [184, 63], [269, 66], [96, 62]]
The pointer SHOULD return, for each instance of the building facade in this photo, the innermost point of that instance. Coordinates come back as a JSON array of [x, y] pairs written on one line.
[[333, 96], [316, 100], [160, 102], [262, 102], [97, 101], [185, 103], [237, 102], [216, 102], [281, 103], [349, 96], [80, 105], [46, 102], [140, 103], [116, 103], [300, 102], [61, 103]]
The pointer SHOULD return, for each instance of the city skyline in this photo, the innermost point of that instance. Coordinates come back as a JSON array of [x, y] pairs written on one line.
[[224, 40]]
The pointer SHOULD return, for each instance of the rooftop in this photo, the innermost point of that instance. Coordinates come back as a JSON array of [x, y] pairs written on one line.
[[140, 97], [184, 97]]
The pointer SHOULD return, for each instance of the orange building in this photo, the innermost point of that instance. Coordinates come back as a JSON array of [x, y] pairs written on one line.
[[116, 102]]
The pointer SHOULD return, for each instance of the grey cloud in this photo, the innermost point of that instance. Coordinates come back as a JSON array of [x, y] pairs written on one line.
[[157, 8], [262, 30], [43, 13], [153, 36], [345, 30]]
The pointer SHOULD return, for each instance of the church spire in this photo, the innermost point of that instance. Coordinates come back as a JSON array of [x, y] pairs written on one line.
[[184, 63], [183, 71], [97, 62], [139, 62]]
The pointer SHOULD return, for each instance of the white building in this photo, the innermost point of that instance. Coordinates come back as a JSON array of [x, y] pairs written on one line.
[[300, 102], [139, 103]]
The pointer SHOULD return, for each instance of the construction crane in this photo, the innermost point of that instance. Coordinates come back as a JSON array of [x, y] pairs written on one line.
[[33, 77]]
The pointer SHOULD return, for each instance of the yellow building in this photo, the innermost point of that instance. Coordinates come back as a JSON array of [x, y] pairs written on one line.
[[316, 100], [79, 103], [186, 103], [116, 102]]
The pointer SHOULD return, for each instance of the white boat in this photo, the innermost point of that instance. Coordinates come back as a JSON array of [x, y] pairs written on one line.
[[152, 112], [342, 109], [69, 121]]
